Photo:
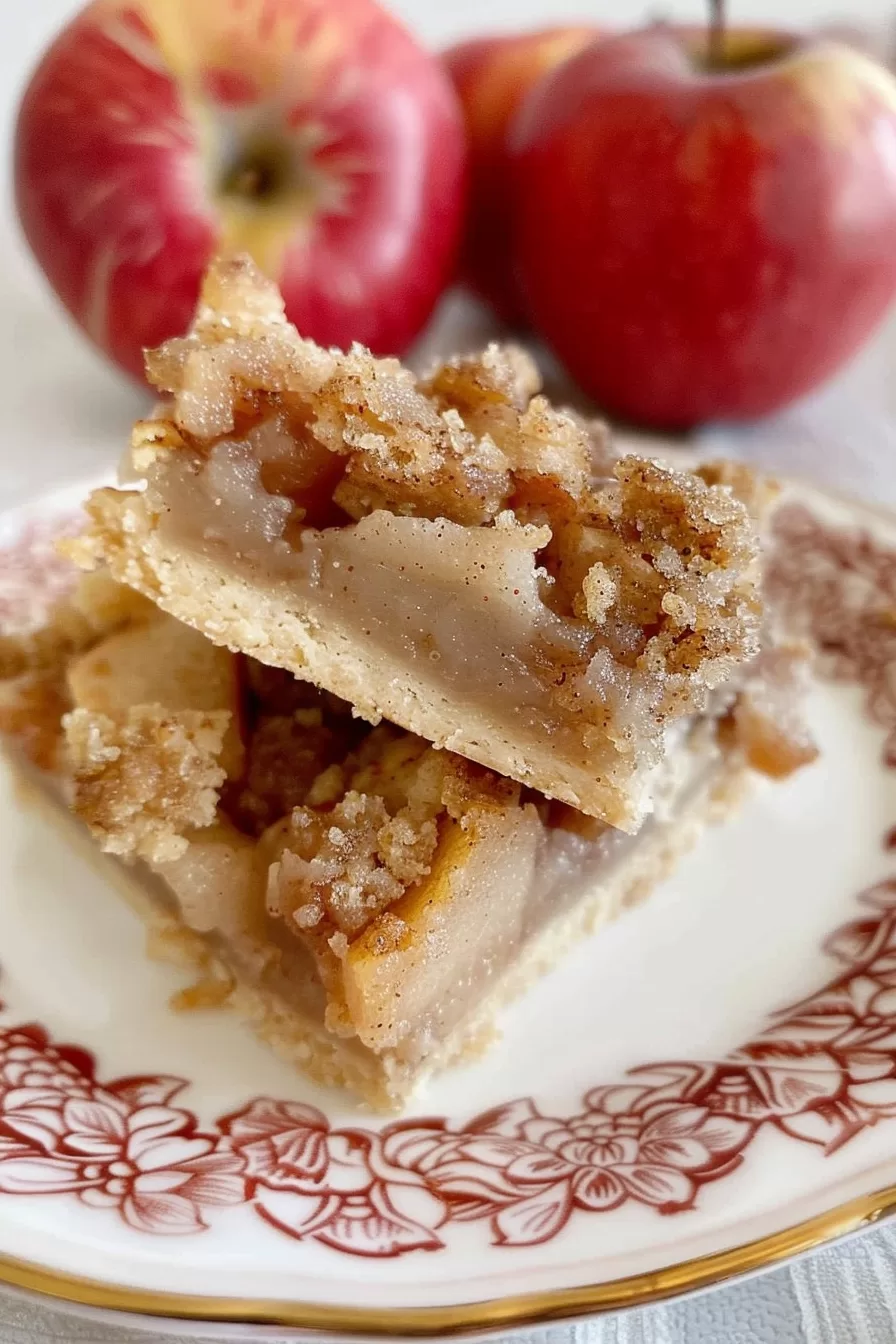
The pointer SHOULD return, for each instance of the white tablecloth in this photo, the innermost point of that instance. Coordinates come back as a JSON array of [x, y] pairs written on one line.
[[64, 415], [846, 1295]]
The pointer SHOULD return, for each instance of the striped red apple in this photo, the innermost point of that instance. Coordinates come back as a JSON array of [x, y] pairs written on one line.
[[703, 237], [316, 134]]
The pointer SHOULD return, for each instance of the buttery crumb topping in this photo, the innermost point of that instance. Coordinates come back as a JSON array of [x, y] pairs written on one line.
[[142, 782], [651, 570], [349, 839]]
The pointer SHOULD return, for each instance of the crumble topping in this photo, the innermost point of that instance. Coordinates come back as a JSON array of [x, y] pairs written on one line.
[[335, 869], [140, 783], [758, 492], [654, 565], [34, 661], [837, 587]]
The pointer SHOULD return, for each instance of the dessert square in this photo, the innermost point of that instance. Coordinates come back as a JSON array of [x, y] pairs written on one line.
[[366, 902], [449, 553]]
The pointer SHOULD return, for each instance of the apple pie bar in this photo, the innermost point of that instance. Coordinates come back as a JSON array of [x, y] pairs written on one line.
[[365, 901], [448, 553]]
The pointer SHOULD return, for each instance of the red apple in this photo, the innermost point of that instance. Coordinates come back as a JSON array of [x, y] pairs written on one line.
[[315, 134], [700, 243], [492, 76]]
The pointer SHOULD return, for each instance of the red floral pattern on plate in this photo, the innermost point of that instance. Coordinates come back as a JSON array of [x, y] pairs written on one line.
[[119, 1145], [820, 1073]]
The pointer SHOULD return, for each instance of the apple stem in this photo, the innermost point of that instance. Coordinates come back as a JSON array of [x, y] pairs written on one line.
[[716, 34]]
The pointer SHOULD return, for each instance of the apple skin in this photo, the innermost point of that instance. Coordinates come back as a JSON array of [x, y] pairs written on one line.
[[492, 77], [122, 156], [698, 246]]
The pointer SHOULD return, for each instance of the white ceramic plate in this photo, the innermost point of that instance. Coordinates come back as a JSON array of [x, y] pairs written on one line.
[[698, 1091]]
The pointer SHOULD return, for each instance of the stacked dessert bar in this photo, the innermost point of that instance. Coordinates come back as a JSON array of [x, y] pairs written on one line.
[[399, 686]]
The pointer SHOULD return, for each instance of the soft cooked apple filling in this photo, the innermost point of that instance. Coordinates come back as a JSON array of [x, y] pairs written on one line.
[[639, 578], [410, 877], [376, 886], [368, 834]]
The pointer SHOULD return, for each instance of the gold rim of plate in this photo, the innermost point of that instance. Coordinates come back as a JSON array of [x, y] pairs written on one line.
[[467, 1317]]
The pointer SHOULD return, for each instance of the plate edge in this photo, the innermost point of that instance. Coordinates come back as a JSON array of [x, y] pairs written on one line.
[[466, 1318]]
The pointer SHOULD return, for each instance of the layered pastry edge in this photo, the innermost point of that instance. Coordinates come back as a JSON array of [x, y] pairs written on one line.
[[450, 553], [365, 901]]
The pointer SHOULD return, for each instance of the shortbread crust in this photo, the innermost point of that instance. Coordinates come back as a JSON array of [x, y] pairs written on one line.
[[366, 901]]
